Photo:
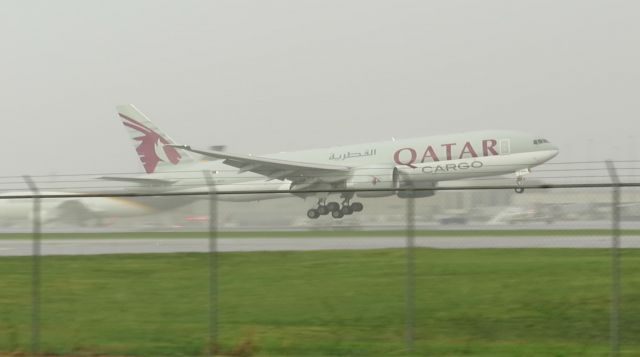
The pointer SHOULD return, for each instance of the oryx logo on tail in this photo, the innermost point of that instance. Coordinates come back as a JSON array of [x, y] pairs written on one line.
[[152, 148]]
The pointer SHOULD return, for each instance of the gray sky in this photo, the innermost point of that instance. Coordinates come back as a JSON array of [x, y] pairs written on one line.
[[267, 76]]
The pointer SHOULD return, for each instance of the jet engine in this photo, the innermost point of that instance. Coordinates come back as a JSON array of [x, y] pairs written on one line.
[[374, 177], [420, 188], [389, 178]]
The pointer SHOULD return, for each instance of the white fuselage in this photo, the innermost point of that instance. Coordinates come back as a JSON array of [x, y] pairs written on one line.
[[423, 161]]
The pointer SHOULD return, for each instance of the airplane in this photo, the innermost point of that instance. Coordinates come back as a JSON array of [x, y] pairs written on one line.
[[80, 211], [395, 166]]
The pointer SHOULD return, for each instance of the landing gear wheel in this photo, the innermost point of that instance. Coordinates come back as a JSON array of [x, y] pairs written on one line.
[[346, 210], [313, 213], [323, 210], [357, 206], [337, 214], [333, 206], [519, 183]]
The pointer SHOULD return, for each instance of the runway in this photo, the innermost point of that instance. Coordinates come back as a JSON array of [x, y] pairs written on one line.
[[78, 246]]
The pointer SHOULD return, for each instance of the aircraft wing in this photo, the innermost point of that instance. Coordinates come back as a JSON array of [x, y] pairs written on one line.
[[299, 172]]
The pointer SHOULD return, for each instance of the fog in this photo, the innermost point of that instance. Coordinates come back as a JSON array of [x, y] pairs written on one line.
[[268, 76]]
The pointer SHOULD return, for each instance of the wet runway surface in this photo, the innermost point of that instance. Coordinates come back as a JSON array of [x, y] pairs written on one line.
[[79, 246]]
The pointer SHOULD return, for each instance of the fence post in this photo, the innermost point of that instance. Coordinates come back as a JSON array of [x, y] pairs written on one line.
[[614, 324], [410, 287], [35, 267], [213, 265]]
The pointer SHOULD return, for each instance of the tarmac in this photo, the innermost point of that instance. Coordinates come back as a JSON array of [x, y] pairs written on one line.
[[79, 246]]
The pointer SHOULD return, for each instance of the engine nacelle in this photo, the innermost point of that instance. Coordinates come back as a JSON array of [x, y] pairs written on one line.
[[376, 177], [407, 179], [373, 178]]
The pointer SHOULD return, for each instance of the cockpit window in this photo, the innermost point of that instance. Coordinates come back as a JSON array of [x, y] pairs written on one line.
[[540, 141]]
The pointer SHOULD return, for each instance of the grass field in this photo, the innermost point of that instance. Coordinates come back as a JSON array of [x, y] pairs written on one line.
[[498, 302], [332, 233]]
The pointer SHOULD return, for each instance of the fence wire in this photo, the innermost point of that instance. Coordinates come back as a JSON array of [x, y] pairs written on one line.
[[345, 304]]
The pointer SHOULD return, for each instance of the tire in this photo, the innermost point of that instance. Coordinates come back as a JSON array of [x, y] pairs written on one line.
[[519, 189], [337, 214], [313, 213], [346, 210], [357, 207], [323, 210], [333, 206]]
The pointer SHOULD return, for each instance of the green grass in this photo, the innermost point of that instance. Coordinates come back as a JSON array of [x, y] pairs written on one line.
[[332, 233], [494, 302]]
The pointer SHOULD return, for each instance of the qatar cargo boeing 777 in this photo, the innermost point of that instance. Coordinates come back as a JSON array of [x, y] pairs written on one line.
[[395, 166]]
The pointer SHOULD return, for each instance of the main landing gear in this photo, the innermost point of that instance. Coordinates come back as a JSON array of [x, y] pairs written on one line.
[[336, 210]]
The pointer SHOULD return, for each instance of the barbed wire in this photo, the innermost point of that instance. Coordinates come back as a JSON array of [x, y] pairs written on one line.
[[235, 170], [267, 184], [212, 191], [327, 176], [200, 177], [239, 182]]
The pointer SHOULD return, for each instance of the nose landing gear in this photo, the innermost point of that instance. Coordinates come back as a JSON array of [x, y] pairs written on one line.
[[520, 176]]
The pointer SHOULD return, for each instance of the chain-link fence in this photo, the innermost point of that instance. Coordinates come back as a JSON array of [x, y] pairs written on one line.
[[467, 271]]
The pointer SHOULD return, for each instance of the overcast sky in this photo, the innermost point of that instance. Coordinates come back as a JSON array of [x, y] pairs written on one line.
[[267, 76]]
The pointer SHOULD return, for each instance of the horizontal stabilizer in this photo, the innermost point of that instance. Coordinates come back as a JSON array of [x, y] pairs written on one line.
[[220, 148], [139, 181]]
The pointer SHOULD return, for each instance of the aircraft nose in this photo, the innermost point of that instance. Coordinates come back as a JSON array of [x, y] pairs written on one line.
[[550, 153]]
